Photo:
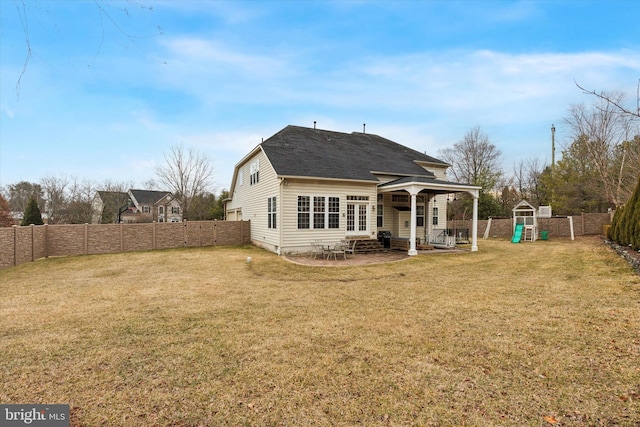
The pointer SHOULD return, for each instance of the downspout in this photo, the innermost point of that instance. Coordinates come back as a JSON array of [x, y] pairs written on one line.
[[279, 204]]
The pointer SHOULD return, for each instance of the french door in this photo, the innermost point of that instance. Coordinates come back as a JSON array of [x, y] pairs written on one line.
[[358, 219]]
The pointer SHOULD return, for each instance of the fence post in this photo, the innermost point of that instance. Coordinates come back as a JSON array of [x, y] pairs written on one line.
[[153, 244], [15, 245], [86, 238], [33, 234], [184, 234], [46, 240]]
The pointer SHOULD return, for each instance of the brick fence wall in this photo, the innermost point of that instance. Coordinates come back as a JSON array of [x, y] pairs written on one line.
[[24, 244], [587, 224]]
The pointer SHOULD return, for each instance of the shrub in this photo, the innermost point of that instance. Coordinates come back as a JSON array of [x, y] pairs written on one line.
[[32, 214], [625, 226]]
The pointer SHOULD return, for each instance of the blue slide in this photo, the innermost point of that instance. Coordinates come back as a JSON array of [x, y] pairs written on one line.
[[517, 234]]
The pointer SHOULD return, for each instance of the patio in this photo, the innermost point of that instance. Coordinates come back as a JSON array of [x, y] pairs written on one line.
[[364, 259]]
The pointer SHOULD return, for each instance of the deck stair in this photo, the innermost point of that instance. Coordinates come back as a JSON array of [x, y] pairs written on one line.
[[369, 246]]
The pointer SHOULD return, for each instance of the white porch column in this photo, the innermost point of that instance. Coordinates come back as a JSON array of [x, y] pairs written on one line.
[[412, 241], [474, 226]]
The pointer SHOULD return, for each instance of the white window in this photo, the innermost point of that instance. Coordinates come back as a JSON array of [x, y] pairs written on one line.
[[175, 210], [420, 215], [303, 212], [324, 212], [254, 169], [319, 212], [334, 212], [435, 216], [271, 212]]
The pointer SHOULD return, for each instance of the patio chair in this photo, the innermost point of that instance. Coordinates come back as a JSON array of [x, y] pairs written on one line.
[[350, 247], [317, 249], [338, 249]]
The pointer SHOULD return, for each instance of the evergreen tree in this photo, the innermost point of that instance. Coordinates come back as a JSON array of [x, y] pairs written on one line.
[[625, 226], [634, 225], [32, 213]]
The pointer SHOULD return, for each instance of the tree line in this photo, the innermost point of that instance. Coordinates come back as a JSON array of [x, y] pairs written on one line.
[[597, 172], [186, 173]]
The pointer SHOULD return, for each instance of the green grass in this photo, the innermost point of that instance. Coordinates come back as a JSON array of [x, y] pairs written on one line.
[[529, 334]]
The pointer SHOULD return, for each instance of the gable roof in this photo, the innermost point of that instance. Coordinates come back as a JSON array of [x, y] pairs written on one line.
[[524, 205], [315, 153], [148, 197]]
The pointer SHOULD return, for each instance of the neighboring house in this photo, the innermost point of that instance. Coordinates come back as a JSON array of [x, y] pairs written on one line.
[[135, 206], [108, 206], [159, 206], [304, 184]]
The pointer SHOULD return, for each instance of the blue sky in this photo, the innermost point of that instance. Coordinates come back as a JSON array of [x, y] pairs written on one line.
[[110, 86]]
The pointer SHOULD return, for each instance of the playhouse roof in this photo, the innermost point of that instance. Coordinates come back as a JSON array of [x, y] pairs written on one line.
[[523, 205]]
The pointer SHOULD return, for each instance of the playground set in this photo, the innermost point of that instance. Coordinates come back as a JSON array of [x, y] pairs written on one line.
[[525, 222]]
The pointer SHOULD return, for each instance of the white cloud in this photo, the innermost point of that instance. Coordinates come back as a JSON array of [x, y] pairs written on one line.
[[7, 111]]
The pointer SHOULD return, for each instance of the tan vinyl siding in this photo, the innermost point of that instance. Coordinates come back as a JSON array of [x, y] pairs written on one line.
[[440, 173], [252, 200], [298, 240]]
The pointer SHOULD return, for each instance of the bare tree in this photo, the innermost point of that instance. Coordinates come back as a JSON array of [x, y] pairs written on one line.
[[474, 160], [187, 174], [20, 193], [602, 131], [54, 188], [79, 206], [520, 179], [150, 184], [614, 101], [535, 171]]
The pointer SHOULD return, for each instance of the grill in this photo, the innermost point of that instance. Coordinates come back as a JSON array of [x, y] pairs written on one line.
[[384, 237]]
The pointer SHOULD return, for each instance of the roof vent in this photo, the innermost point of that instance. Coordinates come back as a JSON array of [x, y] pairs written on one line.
[[364, 127], [314, 124]]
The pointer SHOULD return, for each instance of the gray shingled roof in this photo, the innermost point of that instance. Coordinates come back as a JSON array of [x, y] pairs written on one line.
[[148, 197], [300, 151]]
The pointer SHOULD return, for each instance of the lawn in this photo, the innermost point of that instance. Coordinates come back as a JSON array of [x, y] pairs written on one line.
[[529, 334]]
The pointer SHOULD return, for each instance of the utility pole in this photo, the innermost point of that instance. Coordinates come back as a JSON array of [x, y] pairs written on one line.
[[553, 146], [553, 164]]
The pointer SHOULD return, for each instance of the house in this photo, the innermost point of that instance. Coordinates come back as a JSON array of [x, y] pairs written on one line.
[[306, 184], [159, 206], [107, 206], [135, 206]]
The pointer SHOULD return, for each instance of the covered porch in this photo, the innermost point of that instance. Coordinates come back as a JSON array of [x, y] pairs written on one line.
[[420, 216]]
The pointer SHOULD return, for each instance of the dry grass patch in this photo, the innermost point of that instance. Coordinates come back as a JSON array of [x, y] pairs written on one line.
[[505, 336]]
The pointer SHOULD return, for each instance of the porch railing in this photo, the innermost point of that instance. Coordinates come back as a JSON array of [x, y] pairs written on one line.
[[441, 238]]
